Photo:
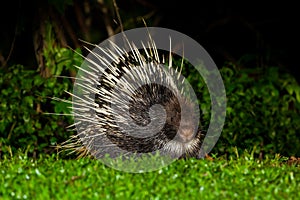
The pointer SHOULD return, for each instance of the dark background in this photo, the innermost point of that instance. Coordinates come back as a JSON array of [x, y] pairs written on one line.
[[265, 32], [247, 33]]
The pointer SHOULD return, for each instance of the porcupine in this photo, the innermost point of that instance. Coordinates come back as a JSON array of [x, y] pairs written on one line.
[[117, 115]]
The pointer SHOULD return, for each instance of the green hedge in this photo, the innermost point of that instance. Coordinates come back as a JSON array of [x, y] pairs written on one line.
[[263, 110], [25, 100]]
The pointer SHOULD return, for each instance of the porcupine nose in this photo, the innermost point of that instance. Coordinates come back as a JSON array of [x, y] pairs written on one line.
[[185, 135]]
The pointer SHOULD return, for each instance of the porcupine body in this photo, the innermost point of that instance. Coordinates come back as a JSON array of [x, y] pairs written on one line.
[[134, 105]]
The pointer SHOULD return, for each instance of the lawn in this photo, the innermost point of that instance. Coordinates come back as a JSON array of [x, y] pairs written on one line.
[[242, 177]]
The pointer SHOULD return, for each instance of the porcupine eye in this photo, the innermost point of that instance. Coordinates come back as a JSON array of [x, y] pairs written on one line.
[[154, 94]]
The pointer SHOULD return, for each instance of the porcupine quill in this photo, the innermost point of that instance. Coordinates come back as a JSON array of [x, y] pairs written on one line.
[[118, 116]]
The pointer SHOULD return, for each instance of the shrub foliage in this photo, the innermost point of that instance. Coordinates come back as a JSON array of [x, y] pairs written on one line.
[[263, 110]]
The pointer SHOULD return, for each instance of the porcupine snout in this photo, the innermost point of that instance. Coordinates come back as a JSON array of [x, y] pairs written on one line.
[[188, 125], [186, 134]]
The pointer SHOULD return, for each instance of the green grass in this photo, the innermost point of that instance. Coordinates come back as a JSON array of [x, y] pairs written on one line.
[[237, 178]]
